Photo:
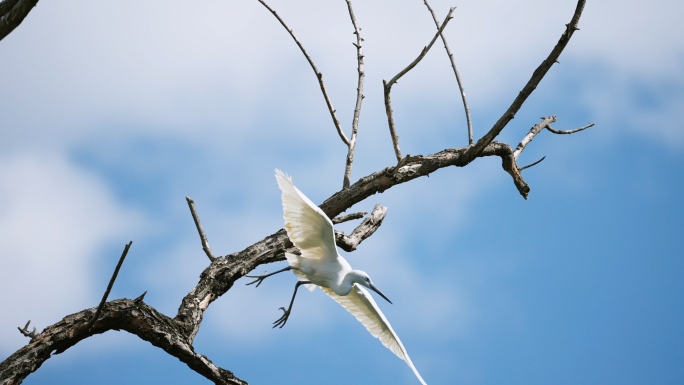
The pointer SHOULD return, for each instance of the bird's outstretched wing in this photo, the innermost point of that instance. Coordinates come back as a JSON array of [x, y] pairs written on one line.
[[360, 303], [306, 224]]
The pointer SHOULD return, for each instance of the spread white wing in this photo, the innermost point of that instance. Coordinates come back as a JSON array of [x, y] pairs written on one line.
[[306, 224], [360, 303]]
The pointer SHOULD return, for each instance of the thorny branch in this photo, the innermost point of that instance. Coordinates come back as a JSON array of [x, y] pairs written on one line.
[[458, 77], [359, 98], [388, 85]]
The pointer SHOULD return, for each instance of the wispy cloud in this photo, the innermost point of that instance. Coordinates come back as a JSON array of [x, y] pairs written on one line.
[[54, 222]]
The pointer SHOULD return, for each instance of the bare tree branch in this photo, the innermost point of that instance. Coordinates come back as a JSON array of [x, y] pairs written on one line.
[[198, 224], [348, 217], [537, 76], [458, 77], [533, 132], [359, 98], [123, 314], [533, 164], [109, 286], [388, 85], [318, 73], [362, 231], [176, 335], [536, 129], [567, 132], [12, 13]]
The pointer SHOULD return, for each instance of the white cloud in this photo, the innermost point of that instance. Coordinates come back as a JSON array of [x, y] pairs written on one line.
[[54, 222], [211, 71]]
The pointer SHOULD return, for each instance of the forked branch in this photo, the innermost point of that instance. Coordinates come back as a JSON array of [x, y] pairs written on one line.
[[362, 231], [388, 85], [536, 129], [533, 132], [176, 335], [531, 85]]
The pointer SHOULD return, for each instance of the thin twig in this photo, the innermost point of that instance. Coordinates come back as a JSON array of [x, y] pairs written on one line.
[[359, 98], [532, 133], [532, 164], [567, 132], [109, 287], [458, 77], [570, 28], [348, 217], [198, 224], [388, 85], [140, 298], [318, 73], [31, 334]]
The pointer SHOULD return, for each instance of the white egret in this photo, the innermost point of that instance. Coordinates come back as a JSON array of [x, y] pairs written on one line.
[[311, 231]]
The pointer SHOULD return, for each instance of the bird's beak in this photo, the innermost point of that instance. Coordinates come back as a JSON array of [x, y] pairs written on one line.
[[375, 289]]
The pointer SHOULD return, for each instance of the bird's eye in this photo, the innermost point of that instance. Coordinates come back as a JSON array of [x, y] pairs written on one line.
[[367, 279]]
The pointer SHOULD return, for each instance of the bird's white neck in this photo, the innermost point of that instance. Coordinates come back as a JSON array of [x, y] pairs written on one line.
[[348, 282]]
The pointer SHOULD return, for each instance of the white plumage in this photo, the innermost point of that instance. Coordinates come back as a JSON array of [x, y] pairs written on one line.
[[320, 265]]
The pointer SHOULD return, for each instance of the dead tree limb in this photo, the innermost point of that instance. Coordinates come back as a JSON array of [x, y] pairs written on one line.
[[359, 97], [369, 226], [387, 85], [122, 314], [319, 74], [348, 217], [200, 230], [531, 85], [469, 122], [109, 287], [12, 13], [176, 335]]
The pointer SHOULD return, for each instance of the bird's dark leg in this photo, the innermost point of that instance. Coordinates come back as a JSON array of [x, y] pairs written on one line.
[[260, 278], [280, 322]]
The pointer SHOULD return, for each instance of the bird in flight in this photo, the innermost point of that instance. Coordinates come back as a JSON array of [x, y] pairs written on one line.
[[319, 264]]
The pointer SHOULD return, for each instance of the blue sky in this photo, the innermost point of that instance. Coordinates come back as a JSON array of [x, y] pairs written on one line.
[[113, 112]]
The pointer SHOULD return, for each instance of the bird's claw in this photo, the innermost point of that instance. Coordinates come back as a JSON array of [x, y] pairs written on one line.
[[280, 322], [259, 279]]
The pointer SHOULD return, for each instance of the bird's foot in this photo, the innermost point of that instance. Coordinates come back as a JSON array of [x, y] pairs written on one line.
[[259, 279], [280, 322]]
